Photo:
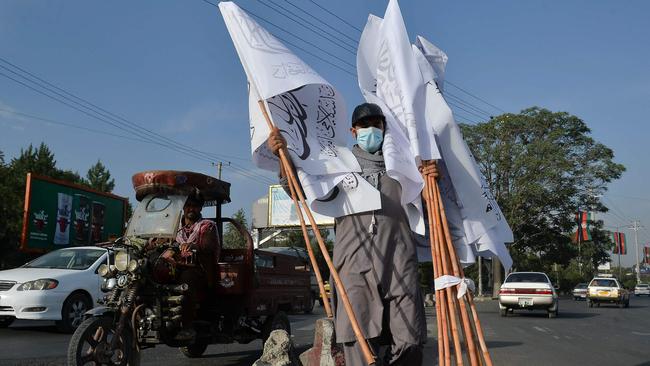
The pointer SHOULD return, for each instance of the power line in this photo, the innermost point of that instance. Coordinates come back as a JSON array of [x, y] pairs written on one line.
[[336, 16], [320, 58], [353, 47], [47, 120], [322, 22], [474, 96], [106, 118]]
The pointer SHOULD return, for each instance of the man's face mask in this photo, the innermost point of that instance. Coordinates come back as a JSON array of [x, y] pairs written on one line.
[[370, 139]]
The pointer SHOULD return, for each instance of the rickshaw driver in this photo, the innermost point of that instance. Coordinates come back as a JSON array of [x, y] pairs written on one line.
[[199, 235]]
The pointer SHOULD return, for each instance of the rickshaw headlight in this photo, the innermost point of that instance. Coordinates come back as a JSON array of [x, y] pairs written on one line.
[[133, 265], [104, 270], [122, 261]]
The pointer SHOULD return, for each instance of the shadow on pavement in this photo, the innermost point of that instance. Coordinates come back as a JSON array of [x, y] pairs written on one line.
[[561, 315], [500, 344], [249, 356]]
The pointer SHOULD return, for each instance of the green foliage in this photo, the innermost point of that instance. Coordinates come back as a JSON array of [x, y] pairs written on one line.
[[99, 178], [542, 167], [232, 239]]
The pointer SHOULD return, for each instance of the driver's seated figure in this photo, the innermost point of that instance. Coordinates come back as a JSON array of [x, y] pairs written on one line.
[[200, 236]]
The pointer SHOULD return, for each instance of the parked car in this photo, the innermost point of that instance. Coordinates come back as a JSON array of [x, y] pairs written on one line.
[[642, 289], [530, 291], [60, 285], [580, 292], [607, 290]]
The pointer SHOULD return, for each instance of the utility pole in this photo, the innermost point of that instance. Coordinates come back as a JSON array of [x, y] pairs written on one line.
[[636, 226], [496, 277], [618, 249], [219, 166]]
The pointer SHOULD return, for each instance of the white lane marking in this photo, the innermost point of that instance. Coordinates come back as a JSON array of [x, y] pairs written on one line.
[[556, 337], [641, 334], [540, 329]]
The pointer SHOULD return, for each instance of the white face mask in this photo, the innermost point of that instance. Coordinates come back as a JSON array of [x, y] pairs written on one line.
[[370, 139]]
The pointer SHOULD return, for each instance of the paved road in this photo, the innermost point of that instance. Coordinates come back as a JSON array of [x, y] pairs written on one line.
[[579, 336]]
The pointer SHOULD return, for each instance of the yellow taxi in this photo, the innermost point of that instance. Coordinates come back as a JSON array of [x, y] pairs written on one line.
[[607, 290]]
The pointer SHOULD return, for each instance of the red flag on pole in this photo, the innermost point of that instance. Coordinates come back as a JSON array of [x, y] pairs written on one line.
[[582, 233]]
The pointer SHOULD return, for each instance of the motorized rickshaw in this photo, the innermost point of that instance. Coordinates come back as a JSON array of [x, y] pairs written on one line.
[[253, 290]]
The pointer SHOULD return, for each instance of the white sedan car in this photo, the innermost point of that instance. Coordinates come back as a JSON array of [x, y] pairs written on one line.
[[61, 285], [528, 290]]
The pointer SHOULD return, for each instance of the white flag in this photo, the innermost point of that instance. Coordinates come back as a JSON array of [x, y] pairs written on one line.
[[375, 71], [307, 110], [483, 223]]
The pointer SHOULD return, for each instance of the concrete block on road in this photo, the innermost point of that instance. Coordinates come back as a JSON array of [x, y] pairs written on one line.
[[430, 299], [278, 351], [324, 351]]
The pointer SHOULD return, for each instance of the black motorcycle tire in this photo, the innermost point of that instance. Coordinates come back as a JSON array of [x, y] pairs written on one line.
[[194, 350], [279, 320], [86, 331]]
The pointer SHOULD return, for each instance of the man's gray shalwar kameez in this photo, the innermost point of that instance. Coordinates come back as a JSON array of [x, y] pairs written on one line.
[[375, 256]]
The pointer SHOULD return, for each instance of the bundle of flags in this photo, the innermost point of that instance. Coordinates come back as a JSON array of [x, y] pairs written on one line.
[[583, 232], [406, 80], [646, 254], [620, 245]]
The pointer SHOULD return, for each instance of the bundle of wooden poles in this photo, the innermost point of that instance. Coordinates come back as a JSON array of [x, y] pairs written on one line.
[[451, 310]]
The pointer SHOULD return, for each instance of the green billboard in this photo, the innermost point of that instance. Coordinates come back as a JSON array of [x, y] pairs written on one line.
[[60, 214]]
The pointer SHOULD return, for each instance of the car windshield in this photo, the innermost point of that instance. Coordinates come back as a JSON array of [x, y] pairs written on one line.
[[581, 285], [527, 277], [78, 259], [603, 283]]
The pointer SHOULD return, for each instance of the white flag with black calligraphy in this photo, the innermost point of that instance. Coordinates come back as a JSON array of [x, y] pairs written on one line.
[[467, 195], [309, 112]]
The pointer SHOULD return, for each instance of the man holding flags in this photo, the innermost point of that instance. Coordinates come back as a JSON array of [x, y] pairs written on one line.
[[375, 255]]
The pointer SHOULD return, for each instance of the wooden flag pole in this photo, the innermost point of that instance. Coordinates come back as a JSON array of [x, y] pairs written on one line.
[[310, 251], [467, 328], [468, 295], [284, 159], [445, 270], [441, 316]]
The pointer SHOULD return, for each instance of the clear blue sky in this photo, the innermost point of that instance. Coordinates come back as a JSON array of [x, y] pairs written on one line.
[[171, 67]]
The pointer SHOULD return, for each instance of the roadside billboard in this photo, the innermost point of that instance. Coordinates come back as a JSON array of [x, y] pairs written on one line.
[[60, 214], [282, 211]]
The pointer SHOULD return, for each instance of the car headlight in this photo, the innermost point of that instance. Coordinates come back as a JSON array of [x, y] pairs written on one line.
[[122, 260], [133, 265], [41, 284]]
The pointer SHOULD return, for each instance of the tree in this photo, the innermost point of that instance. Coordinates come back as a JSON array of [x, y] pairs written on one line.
[[99, 178], [232, 239], [542, 167]]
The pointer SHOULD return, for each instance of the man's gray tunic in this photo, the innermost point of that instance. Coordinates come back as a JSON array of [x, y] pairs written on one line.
[[378, 265]]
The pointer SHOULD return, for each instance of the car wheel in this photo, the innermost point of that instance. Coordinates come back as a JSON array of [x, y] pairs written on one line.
[[627, 304], [73, 312], [503, 312], [194, 350], [277, 321], [552, 314], [5, 322]]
